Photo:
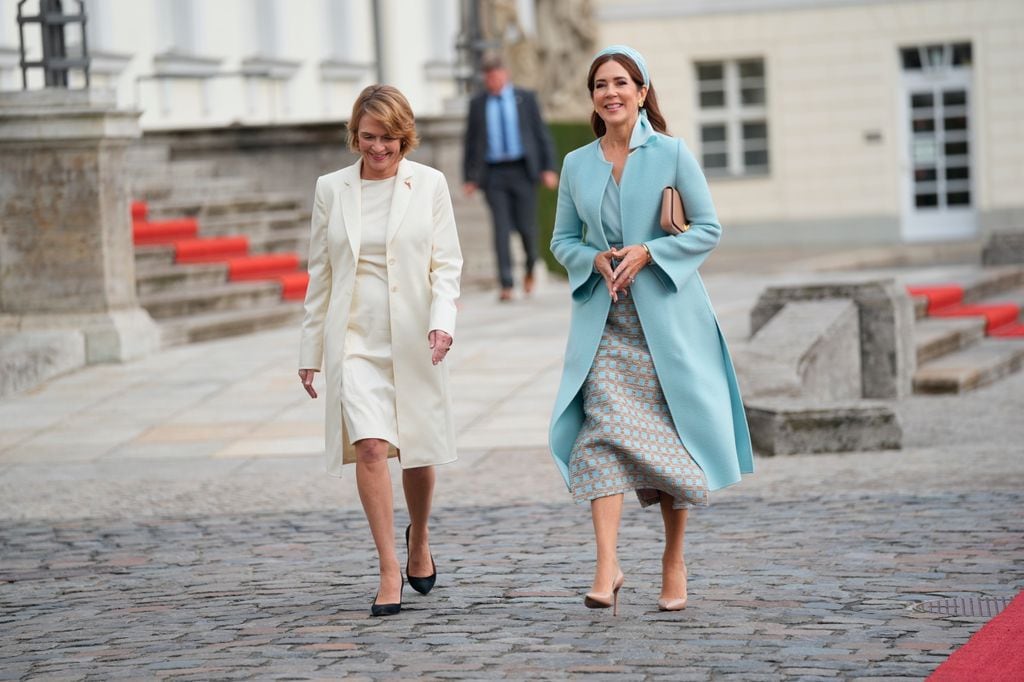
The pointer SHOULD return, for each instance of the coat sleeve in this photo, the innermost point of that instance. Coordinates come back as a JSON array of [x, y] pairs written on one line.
[[445, 262], [567, 243], [677, 257], [318, 292], [472, 155]]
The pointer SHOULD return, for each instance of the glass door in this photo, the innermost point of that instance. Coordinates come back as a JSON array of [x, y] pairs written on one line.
[[939, 199]]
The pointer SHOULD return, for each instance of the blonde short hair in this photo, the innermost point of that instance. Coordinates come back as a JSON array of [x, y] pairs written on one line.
[[389, 106]]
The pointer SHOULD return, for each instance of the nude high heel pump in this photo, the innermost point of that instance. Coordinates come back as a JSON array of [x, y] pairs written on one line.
[[603, 600], [675, 604]]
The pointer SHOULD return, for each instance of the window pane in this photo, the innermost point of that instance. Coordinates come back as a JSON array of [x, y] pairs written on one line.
[[922, 100], [756, 159], [957, 173], [925, 174], [756, 130], [709, 71], [958, 198], [911, 59], [712, 99], [751, 68], [715, 161], [712, 133], [956, 123], [954, 98], [924, 125], [962, 54], [752, 96], [956, 148], [926, 200]]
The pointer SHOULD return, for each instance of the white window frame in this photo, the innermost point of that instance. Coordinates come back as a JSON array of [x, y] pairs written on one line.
[[733, 115]]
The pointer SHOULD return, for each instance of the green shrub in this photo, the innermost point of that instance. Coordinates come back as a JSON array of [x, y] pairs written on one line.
[[567, 136]]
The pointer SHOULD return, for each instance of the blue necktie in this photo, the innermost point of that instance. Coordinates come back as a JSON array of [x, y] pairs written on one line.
[[502, 134]]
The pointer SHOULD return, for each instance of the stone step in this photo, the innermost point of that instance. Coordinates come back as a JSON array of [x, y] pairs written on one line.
[[938, 336], [295, 240], [978, 283], [230, 296], [789, 426], [153, 255], [260, 222], [160, 188], [219, 324], [250, 202], [161, 278], [148, 155], [986, 361]]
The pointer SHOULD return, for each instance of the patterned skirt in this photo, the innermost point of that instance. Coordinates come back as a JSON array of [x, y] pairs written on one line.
[[628, 441]]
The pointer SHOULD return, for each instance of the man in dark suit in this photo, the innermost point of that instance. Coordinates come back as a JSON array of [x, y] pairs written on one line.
[[508, 150]]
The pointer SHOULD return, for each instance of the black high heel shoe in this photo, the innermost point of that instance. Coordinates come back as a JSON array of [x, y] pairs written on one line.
[[387, 609], [421, 585]]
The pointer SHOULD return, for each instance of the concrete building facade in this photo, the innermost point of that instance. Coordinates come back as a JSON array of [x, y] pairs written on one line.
[[843, 121]]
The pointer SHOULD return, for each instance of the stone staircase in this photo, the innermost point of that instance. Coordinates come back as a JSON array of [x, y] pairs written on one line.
[[968, 331], [198, 293]]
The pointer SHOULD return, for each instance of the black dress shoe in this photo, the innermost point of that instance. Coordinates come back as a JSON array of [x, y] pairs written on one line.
[[421, 585], [386, 609]]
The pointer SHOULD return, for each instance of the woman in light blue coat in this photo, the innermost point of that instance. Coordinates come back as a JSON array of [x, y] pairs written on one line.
[[648, 400]]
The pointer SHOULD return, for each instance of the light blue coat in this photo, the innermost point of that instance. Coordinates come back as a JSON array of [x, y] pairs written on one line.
[[686, 344]]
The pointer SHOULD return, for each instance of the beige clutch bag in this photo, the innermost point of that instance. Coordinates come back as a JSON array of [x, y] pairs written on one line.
[[673, 217]]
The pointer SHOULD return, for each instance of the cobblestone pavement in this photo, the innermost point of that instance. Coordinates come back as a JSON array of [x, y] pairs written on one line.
[[170, 519]]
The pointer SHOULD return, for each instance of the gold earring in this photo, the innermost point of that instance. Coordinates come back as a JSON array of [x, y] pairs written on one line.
[[641, 104]]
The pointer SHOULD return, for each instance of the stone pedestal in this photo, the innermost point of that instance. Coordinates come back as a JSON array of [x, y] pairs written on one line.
[[66, 253], [886, 317]]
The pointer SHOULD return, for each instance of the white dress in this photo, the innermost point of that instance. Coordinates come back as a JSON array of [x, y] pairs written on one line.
[[368, 377]]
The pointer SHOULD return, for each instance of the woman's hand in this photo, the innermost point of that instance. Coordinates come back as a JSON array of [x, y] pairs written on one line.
[[632, 259], [603, 264], [306, 375], [440, 344]]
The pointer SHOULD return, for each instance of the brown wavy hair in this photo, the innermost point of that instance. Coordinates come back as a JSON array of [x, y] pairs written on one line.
[[650, 101], [389, 106]]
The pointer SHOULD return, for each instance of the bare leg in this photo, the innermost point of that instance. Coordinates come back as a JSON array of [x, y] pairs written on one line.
[[607, 511], [673, 579], [374, 483], [418, 485]]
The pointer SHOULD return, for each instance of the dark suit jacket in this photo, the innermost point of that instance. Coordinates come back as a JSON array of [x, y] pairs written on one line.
[[538, 150]]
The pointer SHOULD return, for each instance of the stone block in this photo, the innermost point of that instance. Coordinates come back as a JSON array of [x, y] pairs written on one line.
[[780, 426], [1003, 248], [28, 359], [886, 321], [809, 349]]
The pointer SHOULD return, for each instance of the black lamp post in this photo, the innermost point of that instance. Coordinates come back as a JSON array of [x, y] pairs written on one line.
[[55, 62]]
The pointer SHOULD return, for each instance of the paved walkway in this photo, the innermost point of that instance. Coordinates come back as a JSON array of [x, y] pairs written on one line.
[[170, 518]]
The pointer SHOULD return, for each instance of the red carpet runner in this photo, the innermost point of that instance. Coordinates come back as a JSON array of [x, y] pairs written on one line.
[[994, 654], [946, 300]]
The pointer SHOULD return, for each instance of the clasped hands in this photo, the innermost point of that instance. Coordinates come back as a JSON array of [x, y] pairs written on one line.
[[440, 344], [619, 276]]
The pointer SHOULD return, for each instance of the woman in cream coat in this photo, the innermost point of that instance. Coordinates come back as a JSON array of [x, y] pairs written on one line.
[[384, 267]]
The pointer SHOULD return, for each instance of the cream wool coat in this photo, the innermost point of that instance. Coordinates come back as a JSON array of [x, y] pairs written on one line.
[[424, 265]]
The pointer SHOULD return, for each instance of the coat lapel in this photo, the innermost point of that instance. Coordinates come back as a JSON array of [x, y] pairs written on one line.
[[352, 206], [400, 198]]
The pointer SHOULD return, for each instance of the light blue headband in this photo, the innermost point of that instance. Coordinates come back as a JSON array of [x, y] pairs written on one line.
[[637, 58]]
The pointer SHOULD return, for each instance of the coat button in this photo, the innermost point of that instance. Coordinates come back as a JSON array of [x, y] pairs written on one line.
[[394, 287], [391, 261]]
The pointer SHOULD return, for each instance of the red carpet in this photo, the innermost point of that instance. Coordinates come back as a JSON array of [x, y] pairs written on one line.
[[945, 300], [938, 296], [264, 266], [994, 654], [164, 231], [139, 210], [210, 250], [293, 286]]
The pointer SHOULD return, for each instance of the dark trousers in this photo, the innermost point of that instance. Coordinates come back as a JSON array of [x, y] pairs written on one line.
[[512, 197]]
